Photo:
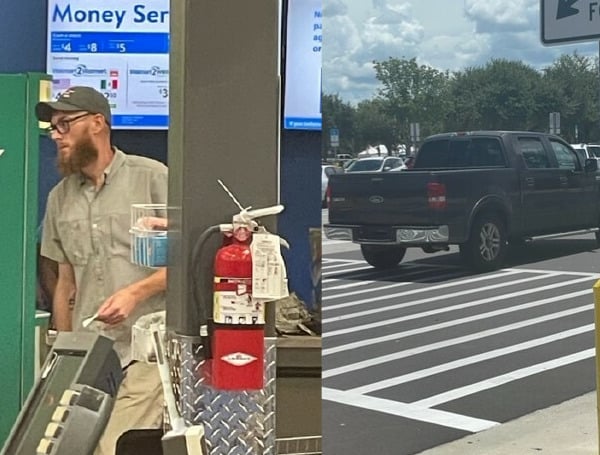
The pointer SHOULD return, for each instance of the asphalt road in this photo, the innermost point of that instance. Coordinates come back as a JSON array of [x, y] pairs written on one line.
[[429, 352]]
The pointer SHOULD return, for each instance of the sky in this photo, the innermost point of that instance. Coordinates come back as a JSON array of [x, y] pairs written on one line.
[[444, 34]]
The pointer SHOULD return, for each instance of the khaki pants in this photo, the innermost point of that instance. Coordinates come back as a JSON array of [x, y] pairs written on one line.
[[139, 405]]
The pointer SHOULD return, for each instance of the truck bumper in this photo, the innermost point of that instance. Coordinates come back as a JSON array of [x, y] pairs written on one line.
[[388, 235]]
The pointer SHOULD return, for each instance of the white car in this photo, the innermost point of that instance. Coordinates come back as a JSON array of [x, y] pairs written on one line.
[[326, 171], [587, 150], [377, 164]]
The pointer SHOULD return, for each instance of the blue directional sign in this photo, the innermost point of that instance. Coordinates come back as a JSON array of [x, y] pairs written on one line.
[[564, 21], [334, 137]]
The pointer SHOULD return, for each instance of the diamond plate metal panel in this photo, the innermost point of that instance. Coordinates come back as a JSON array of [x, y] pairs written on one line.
[[186, 360], [235, 423]]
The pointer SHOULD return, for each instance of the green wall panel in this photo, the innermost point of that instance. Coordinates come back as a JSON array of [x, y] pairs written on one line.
[[19, 158]]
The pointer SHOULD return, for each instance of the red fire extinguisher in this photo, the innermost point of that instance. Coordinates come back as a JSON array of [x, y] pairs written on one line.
[[238, 331], [238, 318]]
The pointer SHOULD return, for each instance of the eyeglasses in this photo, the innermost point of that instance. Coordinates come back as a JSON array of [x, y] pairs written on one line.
[[63, 126]]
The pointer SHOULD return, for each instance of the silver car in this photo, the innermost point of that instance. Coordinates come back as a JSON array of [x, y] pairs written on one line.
[[377, 164]]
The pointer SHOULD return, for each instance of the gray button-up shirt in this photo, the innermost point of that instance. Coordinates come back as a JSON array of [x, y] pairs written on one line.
[[89, 229]]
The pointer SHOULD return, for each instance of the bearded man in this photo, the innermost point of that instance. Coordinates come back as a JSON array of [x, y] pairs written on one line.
[[86, 231]]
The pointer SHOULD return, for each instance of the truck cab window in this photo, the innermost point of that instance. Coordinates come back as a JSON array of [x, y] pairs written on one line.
[[565, 157], [533, 153], [433, 154], [487, 152]]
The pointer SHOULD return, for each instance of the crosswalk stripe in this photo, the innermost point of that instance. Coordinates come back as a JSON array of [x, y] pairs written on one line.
[[416, 375], [434, 416], [443, 325], [450, 342], [461, 306], [496, 381]]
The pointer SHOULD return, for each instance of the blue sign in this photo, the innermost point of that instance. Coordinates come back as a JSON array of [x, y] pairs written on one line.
[[118, 47]]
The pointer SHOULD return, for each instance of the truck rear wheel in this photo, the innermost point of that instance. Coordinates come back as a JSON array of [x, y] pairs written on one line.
[[383, 256], [486, 248]]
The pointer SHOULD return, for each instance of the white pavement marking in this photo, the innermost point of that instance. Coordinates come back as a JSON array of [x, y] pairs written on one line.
[[448, 309], [505, 378], [368, 270], [335, 266], [420, 290], [451, 342], [562, 272], [443, 325], [431, 299], [409, 411], [347, 261], [416, 375], [380, 288]]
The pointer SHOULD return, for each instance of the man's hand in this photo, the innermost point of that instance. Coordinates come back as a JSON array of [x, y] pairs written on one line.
[[121, 304], [117, 307]]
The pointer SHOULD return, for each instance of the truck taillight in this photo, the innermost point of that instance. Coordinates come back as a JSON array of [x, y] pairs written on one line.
[[436, 195], [328, 196]]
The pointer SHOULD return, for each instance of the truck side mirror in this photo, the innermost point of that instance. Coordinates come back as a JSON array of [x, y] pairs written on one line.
[[591, 165]]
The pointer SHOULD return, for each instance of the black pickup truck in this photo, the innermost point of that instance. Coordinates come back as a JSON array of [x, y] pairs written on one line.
[[478, 190]]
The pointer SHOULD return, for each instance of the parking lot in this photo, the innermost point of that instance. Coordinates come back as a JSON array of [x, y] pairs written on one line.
[[428, 352]]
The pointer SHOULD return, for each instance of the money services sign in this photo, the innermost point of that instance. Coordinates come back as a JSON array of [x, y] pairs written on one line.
[[120, 48]]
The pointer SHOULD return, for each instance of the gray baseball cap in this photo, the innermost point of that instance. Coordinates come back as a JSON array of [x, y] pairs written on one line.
[[75, 99]]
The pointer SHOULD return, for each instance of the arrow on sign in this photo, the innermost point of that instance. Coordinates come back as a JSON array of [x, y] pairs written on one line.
[[565, 9]]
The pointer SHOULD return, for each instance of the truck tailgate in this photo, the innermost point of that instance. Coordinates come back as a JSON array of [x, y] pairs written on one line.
[[391, 198]]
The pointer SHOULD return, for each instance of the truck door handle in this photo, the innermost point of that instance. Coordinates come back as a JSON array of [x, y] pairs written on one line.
[[564, 180], [530, 181]]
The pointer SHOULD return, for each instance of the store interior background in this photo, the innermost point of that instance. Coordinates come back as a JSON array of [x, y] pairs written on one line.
[[23, 49]]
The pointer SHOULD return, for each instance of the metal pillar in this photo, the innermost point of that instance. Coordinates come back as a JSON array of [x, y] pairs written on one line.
[[224, 124]]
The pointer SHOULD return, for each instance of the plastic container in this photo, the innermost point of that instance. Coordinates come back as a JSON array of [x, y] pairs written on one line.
[[149, 242]]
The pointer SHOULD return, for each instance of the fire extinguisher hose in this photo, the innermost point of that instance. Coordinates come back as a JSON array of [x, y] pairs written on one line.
[[201, 308]]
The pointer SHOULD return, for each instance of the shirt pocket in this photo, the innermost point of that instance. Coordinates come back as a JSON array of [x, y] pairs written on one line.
[[120, 238], [76, 240]]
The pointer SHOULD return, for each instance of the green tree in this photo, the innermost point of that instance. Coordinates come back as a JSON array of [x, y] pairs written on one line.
[[570, 87], [374, 125], [413, 93], [502, 94], [337, 114]]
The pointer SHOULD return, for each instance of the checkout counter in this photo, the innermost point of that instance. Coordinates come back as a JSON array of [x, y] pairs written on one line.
[[298, 411]]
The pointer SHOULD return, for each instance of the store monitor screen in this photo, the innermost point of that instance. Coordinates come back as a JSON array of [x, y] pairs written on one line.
[[302, 81], [119, 47]]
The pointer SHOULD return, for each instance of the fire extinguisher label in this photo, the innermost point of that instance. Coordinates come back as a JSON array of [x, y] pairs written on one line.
[[269, 277], [231, 307], [238, 359]]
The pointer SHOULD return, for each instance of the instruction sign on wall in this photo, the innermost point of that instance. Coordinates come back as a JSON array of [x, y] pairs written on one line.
[[120, 48]]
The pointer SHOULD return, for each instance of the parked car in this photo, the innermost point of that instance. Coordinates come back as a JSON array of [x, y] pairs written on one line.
[[326, 171], [349, 163], [377, 164], [587, 150]]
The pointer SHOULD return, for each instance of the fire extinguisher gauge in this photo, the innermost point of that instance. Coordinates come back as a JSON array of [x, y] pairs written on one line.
[[241, 234]]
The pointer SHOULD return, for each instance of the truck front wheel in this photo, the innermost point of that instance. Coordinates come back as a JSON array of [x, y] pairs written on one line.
[[486, 248], [383, 256]]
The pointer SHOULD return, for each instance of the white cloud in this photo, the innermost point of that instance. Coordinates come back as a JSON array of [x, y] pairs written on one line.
[[444, 34], [350, 46], [501, 15], [454, 52]]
